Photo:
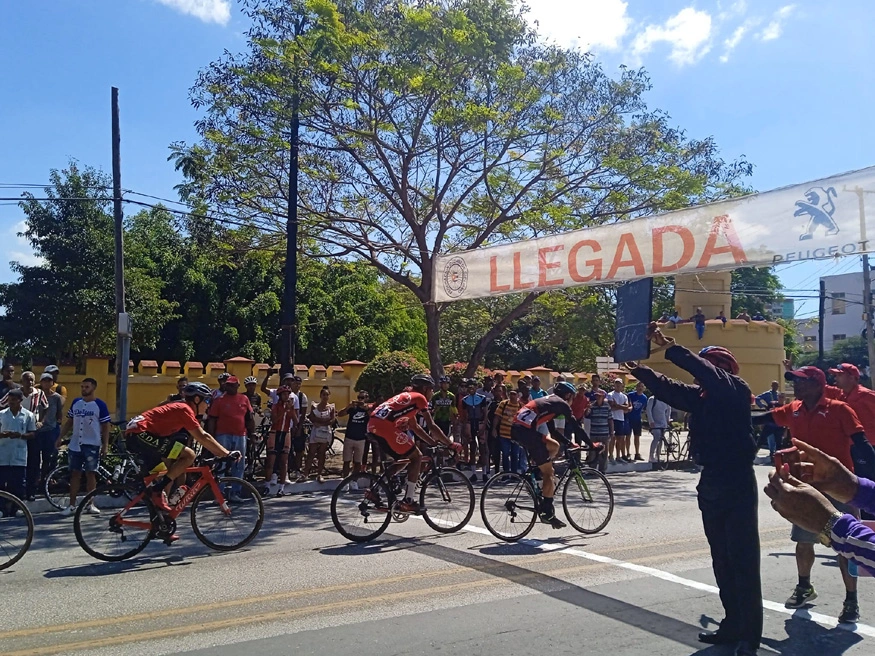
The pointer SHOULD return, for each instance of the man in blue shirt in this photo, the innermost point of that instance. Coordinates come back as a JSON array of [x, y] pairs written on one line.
[[638, 399], [476, 406], [88, 421], [17, 425], [537, 391]]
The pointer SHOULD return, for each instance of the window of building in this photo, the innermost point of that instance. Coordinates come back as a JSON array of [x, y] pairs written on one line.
[[838, 303], [839, 337]]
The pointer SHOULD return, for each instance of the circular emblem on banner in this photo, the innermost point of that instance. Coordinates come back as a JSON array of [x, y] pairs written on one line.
[[455, 277]]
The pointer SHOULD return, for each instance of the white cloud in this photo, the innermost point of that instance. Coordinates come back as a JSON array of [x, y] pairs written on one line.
[[587, 24], [21, 251], [688, 32], [774, 29], [737, 37], [738, 8], [209, 11]]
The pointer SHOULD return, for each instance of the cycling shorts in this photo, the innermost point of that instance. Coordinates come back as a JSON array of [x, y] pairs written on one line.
[[152, 449], [278, 442], [534, 442], [401, 446]]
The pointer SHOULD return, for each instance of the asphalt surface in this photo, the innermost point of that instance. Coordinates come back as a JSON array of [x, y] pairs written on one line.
[[644, 586]]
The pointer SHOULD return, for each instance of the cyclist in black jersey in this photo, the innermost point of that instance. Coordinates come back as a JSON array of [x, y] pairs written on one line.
[[534, 428]]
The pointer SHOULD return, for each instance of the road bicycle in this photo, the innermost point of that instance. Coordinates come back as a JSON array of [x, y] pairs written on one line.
[[124, 527], [510, 502], [16, 529], [672, 449], [364, 504], [118, 466]]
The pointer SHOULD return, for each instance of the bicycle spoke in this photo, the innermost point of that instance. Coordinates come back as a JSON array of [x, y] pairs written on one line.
[[588, 500], [448, 499], [360, 507], [507, 506], [16, 529], [229, 522], [115, 533]]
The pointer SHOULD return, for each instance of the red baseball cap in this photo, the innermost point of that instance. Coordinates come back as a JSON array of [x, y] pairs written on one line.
[[232, 380], [807, 373], [846, 368]]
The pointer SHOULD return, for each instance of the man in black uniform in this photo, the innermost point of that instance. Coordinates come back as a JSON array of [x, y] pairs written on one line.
[[722, 443], [534, 428]]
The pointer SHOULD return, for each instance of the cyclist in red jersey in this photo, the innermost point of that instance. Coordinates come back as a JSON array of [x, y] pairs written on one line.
[[535, 430], [390, 425], [158, 436]]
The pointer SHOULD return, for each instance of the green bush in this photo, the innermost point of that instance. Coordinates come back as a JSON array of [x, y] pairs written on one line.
[[388, 374]]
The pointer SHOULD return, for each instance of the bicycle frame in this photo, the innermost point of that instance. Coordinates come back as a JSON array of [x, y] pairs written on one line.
[[206, 478]]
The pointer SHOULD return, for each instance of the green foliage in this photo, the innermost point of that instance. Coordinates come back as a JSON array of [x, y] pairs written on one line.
[[754, 289], [791, 344], [65, 306], [388, 374], [456, 373]]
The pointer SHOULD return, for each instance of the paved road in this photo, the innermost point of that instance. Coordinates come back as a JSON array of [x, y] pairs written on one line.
[[643, 587]]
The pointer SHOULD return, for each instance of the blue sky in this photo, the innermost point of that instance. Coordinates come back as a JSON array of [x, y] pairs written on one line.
[[790, 85]]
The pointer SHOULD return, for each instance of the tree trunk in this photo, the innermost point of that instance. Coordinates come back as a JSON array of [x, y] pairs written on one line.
[[484, 342], [433, 336]]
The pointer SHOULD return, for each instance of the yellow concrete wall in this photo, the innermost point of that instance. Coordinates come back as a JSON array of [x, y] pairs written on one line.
[[708, 290], [758, 346], [147, 386]]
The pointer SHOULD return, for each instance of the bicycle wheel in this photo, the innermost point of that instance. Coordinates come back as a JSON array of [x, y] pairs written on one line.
[[120, 530], [225, 526], [56, 487], [16, 529], [683, 449], [588, 500], [448, 498], [508, 506], [360, 507]]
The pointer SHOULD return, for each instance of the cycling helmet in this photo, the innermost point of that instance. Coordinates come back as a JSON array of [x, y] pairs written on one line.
[[224, 376], [564, 389], [196, 389], [422, 380], [444, 379], [721, 358], [250, 380]]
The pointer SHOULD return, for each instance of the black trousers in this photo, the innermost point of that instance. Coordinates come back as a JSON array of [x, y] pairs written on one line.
[[729, 514]]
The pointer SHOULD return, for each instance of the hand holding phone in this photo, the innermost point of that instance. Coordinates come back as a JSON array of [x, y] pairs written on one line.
[[798, 469]]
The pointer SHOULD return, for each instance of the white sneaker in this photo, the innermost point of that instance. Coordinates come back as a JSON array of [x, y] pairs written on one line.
[[273, 479], [68, 511], [92, 509], [353, 486], [288, 481]]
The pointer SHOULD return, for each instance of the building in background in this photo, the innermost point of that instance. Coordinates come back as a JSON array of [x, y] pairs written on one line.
[[806, 334], [783, 308], [843, 310]]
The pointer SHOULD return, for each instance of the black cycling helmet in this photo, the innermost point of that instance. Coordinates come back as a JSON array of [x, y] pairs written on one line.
[[422, 380], [444, 379], [224, 376], [564, 389], [196, 389]]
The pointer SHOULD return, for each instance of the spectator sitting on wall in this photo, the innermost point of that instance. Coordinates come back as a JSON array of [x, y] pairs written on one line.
[[743, 315], [699, 320], [758, 317], [722, 316], [675, 318]]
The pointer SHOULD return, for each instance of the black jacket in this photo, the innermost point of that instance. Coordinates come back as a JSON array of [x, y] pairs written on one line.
[[721, 437]]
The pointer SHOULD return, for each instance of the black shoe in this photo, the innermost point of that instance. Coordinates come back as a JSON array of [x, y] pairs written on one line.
[[744, 648], [850, 613], [715, 638]]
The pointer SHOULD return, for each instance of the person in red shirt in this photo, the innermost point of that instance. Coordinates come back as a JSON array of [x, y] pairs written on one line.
[[284, 417], [849, 390], [831, 426], [579, 404], [391, 424], [230, 420], [159, 436]]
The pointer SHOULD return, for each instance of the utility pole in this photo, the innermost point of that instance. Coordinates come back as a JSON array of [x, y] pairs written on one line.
[[820, 312], [289, 307], [867, 283], [123, 340]]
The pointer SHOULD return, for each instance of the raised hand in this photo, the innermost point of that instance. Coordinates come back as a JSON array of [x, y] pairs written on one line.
[[828, 474], [797, 502]]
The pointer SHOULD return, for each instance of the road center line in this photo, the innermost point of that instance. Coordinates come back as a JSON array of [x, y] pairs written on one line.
[[823, 620]]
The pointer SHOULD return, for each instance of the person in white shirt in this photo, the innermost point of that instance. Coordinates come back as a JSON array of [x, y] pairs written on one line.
[[620, 405], [659, 419], [17, 427], [88, 420]]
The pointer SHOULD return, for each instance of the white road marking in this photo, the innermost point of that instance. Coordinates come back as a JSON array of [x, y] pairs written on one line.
[[823, 620]]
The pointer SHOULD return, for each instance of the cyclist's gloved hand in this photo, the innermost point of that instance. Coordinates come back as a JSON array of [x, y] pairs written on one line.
[[455, 446], [235, 455]]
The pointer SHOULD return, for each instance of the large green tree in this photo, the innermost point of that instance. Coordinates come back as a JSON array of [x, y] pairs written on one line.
[[65, 306], [431, 127]]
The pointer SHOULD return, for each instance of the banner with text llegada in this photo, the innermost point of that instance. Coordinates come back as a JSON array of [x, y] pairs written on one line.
[[817, 220]]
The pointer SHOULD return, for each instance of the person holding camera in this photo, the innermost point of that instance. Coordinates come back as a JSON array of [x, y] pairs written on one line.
[[722, 443]]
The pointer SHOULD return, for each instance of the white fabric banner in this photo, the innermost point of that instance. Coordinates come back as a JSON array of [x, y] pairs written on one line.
[[813, 221]]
